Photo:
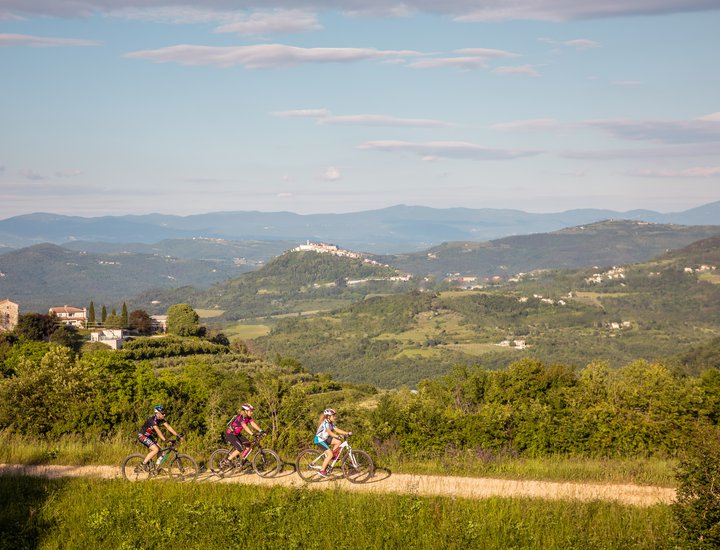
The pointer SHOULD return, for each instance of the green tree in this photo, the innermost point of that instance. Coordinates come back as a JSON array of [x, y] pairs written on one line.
[[66, 336], [183, 320], [36, 326], [113, 321], [91, 313], [140, 321], [103, 314], [124, 316], [697, 508]]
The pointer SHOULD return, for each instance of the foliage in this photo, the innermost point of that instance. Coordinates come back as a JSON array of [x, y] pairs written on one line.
[[169, 346], [140, 321], [77, 513], [35, 326], [183, 320], [697, 509]]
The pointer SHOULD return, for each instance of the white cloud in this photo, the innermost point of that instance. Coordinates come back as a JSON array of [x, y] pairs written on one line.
[[461, 10], [535, 124], [262, 56], [523, 70], [576, 43], [704, 129], [31, 175], [447, 149], [68, 173], [331, 173], [324, 116], [564, 10], [468, 59], [581, 43], [272, 22], [698, 172], [42, 41]]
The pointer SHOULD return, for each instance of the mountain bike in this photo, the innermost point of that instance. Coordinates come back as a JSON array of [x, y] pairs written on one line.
[[168, 464], [264, 462], [356, 466]]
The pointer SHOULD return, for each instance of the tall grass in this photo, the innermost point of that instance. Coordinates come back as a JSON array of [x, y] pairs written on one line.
[[60, 514], [82, 450]]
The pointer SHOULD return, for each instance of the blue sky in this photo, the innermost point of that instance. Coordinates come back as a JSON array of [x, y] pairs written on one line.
[[131, 107]]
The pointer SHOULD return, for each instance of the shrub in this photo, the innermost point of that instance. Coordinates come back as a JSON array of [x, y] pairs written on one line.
[[697, 509]]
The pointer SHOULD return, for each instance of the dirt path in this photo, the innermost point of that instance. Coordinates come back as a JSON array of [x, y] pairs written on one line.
[[385, 482]]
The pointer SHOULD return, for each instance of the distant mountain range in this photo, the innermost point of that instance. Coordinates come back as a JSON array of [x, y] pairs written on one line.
[[396, 229], [212, 273]]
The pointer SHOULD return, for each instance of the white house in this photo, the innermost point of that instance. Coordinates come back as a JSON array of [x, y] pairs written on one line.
[[112, 337], [71, 316]]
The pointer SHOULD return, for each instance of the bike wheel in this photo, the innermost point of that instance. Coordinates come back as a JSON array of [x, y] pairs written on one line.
[[184, 468], [358, 467], [216, 465], [308, 464], [266, 463], [133, 470]]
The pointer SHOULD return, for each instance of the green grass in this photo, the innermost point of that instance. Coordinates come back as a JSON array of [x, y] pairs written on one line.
[[50, 514], [78, 450], [246, 332], [639, 471]]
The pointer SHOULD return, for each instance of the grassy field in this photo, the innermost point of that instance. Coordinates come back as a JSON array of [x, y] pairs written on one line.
[[79, 513], [209, 313], [246, 332], [16, 449]]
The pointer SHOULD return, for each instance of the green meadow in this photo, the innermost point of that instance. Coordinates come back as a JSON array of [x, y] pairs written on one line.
[[50, 514]]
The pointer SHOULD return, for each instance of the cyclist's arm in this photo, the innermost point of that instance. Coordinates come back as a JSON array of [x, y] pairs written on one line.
[[254, 425], [159, 432], [246, 427], [337, 433], [170, 429]]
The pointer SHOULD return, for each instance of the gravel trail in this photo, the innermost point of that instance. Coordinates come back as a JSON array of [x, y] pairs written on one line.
[[425, 485]]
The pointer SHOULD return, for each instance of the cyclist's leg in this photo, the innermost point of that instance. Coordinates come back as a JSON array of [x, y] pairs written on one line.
[[151, 445], [336, 442], [325, 448], [236, 443], [247, 444]]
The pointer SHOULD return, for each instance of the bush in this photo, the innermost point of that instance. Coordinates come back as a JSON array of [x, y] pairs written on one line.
[[697, 509]]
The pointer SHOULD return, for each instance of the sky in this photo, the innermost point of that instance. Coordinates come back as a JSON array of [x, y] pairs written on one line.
[[114, 107]]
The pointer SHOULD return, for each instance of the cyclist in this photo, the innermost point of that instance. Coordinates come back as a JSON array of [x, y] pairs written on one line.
[[235, 436], [151, 429], [328, 437]]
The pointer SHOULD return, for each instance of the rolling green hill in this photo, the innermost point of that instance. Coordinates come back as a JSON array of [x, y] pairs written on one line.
[[47, 275], [650, 310], [612, 242], [292, 283]]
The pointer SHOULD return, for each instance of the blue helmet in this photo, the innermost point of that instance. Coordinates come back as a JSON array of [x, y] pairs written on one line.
[[159, 409]]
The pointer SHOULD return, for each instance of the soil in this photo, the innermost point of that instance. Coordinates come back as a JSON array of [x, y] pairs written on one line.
[[387, 482]]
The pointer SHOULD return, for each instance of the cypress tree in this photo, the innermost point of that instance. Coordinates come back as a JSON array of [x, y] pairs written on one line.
[[103, 314], [91, 313], [124, 316]]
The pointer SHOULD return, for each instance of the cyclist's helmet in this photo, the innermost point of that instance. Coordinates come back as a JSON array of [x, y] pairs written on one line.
[[329, 412], [247, 407], [160, 409]]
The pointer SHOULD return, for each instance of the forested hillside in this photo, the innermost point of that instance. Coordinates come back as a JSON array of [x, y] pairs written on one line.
[[291, 283], [47, 275], [641, 311], [613, 242]]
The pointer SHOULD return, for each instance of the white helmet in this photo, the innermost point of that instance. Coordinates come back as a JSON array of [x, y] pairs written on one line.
[[329, 412]]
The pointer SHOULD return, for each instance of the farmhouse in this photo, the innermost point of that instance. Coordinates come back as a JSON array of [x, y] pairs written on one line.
[[70, 316], [9, 312]]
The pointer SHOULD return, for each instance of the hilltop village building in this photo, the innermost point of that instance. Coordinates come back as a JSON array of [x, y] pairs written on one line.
[[70, 316], [9, 313]]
